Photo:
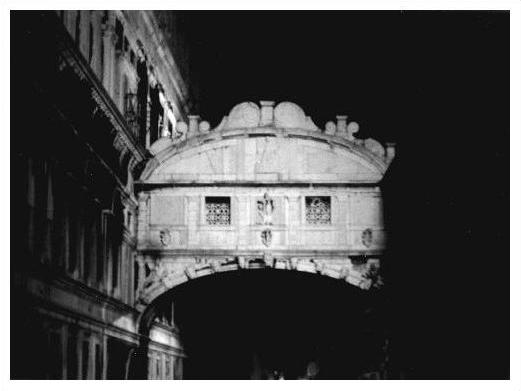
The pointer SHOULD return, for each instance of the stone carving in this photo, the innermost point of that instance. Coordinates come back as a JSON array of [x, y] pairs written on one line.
[[289, 115], [204, 127], [154, 278], [341, 125], [165, 237], [265, 210], [361, 272], [367, 237], [266, 237], [181, 130], [193, 125], [244, 115], [375, 147], [352, 128], [371, 278], [266, 112], [330, 128], [269, 260]]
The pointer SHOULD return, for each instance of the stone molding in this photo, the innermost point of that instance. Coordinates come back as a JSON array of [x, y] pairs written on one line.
[[363, 273]]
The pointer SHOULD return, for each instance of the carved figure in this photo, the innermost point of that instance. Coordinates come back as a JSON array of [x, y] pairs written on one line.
[[266, 237], [367, 237], [164, 237], [269, 260], [265, 209], [156, 274]]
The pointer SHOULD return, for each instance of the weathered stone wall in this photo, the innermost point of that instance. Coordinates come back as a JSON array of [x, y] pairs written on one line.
[[181, 212]]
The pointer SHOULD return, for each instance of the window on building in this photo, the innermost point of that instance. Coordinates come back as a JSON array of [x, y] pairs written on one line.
[[91, 39], [115, 266], [136, 276], [155, 114], [77, 30], [178, 368], [73, 234], [101, 56], [49, 216], [143, 106], [218, 210], [55, 355], [60, 222], [72, 354], [98, 356], [85, 354], [318, 210], [158, 367], [88, 244], [40, 201], [119, 35], [168, 367], [98, 250], [124, 92]]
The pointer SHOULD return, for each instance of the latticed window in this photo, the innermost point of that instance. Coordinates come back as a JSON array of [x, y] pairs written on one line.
[[318, 210], [218, 210]]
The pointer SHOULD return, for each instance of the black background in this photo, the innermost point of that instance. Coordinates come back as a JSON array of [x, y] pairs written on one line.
[[437, 83]]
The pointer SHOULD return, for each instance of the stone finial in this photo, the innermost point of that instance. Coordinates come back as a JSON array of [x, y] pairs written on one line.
[[341, 124], [375, 147], [289, 115], [243, 115], [352, 128], [330, 128], [266, 112], [193, 125], [181, 129], [390, 151], [204, 127]]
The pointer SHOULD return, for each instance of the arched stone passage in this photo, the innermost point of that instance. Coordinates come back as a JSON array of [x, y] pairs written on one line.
[[358, 271], [265, 275]]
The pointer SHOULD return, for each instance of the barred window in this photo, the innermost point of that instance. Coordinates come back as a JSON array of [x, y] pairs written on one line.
[[318, 210], [218, 210]]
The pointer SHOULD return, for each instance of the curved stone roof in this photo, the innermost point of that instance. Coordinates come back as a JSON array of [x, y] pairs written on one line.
[[285, 120]]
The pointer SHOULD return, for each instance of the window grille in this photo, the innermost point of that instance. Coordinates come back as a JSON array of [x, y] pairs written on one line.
[[218, 210], [318, 210]]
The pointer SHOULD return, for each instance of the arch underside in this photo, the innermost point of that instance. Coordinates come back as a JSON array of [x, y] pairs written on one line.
[[357, 271]]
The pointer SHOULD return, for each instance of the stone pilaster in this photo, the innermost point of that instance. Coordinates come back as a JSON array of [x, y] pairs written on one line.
[[293, 219], [193, 204]]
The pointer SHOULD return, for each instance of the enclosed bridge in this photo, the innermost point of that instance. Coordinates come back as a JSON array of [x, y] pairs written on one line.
[[265, 193]]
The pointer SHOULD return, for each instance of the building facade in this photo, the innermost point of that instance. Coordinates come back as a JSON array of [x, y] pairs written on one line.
[[120, 196], [91, 91]]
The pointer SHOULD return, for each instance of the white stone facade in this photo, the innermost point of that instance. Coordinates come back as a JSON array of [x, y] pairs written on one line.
[[294, 197]]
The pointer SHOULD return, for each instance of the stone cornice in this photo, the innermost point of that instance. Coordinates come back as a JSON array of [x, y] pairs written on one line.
[[254, 253], [218, 136]]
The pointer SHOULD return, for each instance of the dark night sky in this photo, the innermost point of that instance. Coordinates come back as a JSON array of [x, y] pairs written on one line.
[[438, 84]]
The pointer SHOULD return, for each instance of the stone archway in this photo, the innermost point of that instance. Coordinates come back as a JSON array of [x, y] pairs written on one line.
[[139, 358], [363, 273]]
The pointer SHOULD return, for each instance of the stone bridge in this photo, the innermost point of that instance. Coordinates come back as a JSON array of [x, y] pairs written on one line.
[[266, 188]]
